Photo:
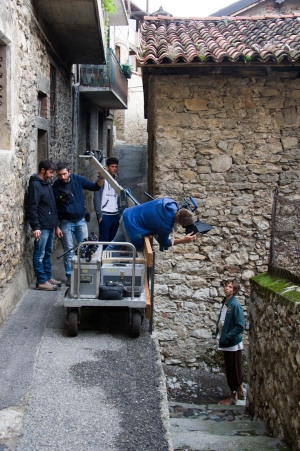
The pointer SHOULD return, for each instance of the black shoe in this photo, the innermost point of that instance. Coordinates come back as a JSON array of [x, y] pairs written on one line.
[[68, 283]]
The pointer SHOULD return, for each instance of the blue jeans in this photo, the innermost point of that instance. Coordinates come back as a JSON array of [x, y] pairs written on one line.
[[42, 252], [108, 227], [70, 230], [121, 236]]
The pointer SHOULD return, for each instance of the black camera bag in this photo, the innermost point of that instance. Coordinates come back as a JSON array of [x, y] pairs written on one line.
[[111, 292]]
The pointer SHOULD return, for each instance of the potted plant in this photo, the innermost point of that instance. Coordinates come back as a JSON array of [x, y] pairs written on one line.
[[127, 70]]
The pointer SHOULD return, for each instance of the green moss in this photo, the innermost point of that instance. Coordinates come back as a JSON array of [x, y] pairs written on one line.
[[282, 287], [109, 6]]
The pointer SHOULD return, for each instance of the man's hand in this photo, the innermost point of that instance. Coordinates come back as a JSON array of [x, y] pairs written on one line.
[[100, 180], [189, 238], [99, 220], [36, 234], [58, 232]]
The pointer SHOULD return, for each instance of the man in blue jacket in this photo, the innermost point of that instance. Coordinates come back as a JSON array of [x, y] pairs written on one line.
[[155, 218], [69, 196], [229, 330], [42, 217]]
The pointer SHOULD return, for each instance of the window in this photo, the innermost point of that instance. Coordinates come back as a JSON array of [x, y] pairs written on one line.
[[42, 105], [118, 52], [42, 151]]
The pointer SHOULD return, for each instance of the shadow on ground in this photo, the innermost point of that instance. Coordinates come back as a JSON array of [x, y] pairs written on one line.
[[194, 386]]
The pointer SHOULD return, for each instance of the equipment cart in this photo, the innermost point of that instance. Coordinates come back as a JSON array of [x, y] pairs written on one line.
[[131, 274], [89, 274]]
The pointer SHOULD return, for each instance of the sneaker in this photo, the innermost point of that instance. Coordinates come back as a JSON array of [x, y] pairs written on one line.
[[55, 282], [46, 286]]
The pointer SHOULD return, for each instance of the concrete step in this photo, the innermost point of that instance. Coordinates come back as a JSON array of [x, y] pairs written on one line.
[[219, 428]]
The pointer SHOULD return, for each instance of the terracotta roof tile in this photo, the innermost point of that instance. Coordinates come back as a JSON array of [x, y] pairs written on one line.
[[166, 39]]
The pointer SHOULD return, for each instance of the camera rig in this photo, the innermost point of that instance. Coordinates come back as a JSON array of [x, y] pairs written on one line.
[[198, 226], [191, 205], [65, 196], [86, 250]]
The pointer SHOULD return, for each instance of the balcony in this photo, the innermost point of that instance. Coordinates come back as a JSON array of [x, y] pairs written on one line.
[[106, 86], [76, 28]]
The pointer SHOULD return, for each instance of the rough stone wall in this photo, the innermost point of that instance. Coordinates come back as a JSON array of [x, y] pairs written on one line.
[[227, 138], [274, 359], [27, 63]]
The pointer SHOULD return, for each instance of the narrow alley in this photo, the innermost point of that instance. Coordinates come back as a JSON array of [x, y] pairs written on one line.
[[99, 391], [105, 391]]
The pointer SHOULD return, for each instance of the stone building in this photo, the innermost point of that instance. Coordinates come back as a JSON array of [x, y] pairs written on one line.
[[44, 113], [222, 103], [252, 8]]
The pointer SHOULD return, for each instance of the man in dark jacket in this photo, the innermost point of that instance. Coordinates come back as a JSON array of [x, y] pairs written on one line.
[[42, 217], [68, 193]]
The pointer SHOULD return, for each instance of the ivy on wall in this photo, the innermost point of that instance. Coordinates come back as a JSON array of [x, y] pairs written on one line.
[[109, 6]]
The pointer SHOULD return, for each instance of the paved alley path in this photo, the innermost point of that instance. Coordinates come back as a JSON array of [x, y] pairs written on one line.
[[99, 391]]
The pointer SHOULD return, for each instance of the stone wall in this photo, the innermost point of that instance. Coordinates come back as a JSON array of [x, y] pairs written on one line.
[[27, 69], [228, 138], [274, 356]]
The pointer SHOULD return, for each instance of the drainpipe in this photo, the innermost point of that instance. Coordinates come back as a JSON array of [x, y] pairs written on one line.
[[75, 125]]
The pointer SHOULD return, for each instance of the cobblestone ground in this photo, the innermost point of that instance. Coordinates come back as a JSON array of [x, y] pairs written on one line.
[[204, 413], [199, 423]]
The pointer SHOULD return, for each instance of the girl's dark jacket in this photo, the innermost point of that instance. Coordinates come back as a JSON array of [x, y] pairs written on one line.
[[234, 324], [41, 206]]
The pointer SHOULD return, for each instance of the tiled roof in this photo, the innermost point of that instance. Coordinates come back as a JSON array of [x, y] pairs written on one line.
[[213, 40]]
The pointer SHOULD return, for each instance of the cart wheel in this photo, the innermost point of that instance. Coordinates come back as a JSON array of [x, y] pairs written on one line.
[[136, 324], [73, 323]]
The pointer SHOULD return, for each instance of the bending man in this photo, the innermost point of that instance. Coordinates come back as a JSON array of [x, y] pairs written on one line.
[[155, 218]]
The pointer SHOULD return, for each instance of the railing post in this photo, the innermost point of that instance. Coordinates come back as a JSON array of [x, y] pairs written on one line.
[[152, 293]]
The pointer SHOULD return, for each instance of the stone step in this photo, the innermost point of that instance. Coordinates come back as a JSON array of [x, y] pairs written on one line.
[[219, 428]]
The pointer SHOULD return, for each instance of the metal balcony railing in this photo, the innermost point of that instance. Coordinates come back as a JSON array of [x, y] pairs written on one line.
[[106, 76]]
